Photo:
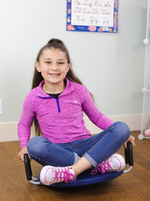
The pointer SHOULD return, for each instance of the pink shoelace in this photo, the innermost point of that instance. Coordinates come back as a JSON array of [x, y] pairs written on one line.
[[102, 167], [64, 175]]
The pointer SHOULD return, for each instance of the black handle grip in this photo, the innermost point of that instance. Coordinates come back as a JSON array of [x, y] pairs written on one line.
[[27, 167], [129, 154]]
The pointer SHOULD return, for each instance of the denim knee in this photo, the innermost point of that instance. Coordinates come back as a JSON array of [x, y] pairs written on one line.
[[122, 129], [34, 145]]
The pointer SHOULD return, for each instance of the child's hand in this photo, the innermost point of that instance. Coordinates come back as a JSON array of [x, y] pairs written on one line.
[[22, 152], [132, 140]]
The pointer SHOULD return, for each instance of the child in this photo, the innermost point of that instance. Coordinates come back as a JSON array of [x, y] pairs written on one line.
[[56, 104]]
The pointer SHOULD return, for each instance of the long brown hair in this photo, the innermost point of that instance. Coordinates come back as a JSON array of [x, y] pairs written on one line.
[[37, 77]]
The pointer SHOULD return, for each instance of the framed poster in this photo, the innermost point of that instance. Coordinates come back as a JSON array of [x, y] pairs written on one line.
[[92, 15]]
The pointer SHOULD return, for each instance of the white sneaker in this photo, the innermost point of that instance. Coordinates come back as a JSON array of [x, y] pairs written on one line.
[[114, 163], [50, 175]]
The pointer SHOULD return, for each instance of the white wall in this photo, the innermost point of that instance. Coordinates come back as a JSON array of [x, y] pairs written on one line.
[[110, 65]]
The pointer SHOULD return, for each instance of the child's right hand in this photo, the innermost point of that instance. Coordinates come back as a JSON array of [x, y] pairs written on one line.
[[22, 152]]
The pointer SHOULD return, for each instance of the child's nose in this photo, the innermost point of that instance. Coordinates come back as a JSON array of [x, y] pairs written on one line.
[[54, 66]]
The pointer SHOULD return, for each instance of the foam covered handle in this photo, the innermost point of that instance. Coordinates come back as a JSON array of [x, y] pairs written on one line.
[[27, 167], [129, 154]]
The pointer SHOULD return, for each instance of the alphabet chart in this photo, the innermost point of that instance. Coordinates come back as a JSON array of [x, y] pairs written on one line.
[[92, 15]]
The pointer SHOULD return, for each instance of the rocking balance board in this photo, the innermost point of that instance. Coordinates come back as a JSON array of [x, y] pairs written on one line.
[[84, 178]]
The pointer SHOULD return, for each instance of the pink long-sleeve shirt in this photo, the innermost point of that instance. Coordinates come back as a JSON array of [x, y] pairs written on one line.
[[60, 120]]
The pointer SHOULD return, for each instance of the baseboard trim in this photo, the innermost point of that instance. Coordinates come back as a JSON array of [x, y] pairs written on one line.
[[8, 131], [133, 121]]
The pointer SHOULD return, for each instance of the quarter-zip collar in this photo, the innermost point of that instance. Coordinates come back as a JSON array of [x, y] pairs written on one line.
[[41, 94], [68, 89]]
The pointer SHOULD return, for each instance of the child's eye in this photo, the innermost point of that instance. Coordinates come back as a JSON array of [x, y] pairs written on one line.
[[48, 62], [60, 63]]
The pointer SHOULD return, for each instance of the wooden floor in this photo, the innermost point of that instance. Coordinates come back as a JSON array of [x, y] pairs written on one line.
[[133, 186]]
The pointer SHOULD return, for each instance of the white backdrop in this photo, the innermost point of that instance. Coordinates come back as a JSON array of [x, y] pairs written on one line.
[[111, 65]]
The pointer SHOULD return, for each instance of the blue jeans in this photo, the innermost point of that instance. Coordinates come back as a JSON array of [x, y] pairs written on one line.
[[95, 149]]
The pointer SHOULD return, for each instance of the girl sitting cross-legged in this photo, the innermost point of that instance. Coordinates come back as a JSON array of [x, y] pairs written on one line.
[[55, 105]]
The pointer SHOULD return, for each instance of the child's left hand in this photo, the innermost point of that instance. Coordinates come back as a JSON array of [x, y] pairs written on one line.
[[132, 140]]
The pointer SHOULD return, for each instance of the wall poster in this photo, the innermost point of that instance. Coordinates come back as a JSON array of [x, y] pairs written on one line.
[[92, 15]]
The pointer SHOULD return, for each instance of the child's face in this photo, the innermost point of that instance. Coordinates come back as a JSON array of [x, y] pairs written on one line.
[[53, 66]]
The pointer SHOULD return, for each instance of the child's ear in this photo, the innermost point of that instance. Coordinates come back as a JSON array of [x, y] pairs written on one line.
[[37, 65]]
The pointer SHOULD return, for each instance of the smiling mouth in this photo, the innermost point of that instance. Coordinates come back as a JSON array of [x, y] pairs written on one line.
[[55, 75]]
